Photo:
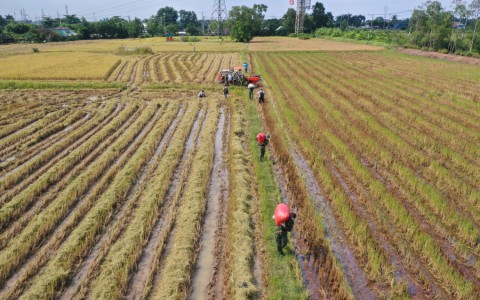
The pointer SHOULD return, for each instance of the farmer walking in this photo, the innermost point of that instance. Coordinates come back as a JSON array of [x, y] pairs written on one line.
[[251, 87], [263, 140], [261, 96], [284, 220], [225, 91]]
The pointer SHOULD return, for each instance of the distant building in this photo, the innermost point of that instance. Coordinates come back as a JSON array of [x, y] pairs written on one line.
[[65, 31], [182, 33], [458, 25]]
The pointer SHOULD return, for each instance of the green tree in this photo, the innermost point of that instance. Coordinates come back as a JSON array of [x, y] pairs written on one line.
[[71, 19], [244, 22], [259, 11], [84, 29], [48, 22], [154, 27], [289, 20], [439, 24], [135, 28], [168, 15], [319, 17], [475, 11], [240, 23]]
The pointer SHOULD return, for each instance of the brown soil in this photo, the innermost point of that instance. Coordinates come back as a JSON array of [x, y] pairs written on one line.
[[449, 57]]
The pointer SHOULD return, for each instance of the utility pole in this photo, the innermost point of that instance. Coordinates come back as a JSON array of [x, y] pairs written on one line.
[[203, 24], [385, 9], [43, 14]]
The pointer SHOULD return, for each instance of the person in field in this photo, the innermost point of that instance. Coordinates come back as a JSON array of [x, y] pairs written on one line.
[[263, 141], [245, 67], [225, 91], [281, 233], [251, 87], [261, 96], [202, 94]]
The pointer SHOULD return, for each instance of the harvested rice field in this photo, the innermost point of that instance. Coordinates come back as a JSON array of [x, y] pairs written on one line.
[[124, 184]]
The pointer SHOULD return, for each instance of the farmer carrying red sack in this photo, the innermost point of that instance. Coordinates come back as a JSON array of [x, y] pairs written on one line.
[[284, 219], [263, 140]]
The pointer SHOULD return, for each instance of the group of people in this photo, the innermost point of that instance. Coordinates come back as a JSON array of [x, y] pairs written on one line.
[[283, 228]]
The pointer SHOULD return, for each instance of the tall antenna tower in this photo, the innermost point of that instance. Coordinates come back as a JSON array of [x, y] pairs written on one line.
[[302, 6], [219, 15]]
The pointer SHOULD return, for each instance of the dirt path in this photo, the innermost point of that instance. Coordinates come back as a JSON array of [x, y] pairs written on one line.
[[210, 261], [147, 266], [449, 57]]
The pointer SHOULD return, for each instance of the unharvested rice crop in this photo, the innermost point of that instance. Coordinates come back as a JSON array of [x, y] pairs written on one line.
[[58, 66]]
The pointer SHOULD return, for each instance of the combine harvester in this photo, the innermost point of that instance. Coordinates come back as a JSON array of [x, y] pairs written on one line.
[[237, 78]]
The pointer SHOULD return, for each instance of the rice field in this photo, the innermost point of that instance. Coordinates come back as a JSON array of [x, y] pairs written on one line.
[[117, 182]]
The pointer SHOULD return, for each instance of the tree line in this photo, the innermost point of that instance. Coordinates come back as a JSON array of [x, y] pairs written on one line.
[[430, 26]]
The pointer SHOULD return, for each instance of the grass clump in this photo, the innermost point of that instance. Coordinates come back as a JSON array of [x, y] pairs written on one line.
[[134, 51]]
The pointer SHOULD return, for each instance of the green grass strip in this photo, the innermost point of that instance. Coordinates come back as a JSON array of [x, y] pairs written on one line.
[[283, 273]]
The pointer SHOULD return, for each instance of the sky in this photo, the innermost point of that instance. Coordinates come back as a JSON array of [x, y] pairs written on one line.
[[98, 9]]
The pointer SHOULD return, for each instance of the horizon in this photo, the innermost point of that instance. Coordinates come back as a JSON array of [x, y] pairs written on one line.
[[143, 9]]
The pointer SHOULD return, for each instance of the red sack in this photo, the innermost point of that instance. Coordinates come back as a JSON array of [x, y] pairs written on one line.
[[282, 213], [261, 137]]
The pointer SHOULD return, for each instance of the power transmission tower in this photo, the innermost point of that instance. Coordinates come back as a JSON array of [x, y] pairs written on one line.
[[66, 9], [302, 6], [219, 15]]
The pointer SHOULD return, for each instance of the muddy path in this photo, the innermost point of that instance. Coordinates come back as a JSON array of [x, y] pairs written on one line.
[[207, 282], [80, 282], [33, 265], [148, 266], [122, 70]]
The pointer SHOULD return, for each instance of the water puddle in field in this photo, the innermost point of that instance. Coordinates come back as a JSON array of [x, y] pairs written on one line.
[[356, 277], [216, 200], [90, 265], [147, 262]]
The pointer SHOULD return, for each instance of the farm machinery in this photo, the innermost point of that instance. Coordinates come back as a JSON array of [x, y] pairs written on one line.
[[234, 76]]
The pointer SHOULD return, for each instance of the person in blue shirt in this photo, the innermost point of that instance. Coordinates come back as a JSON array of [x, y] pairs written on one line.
[[245, 67]]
